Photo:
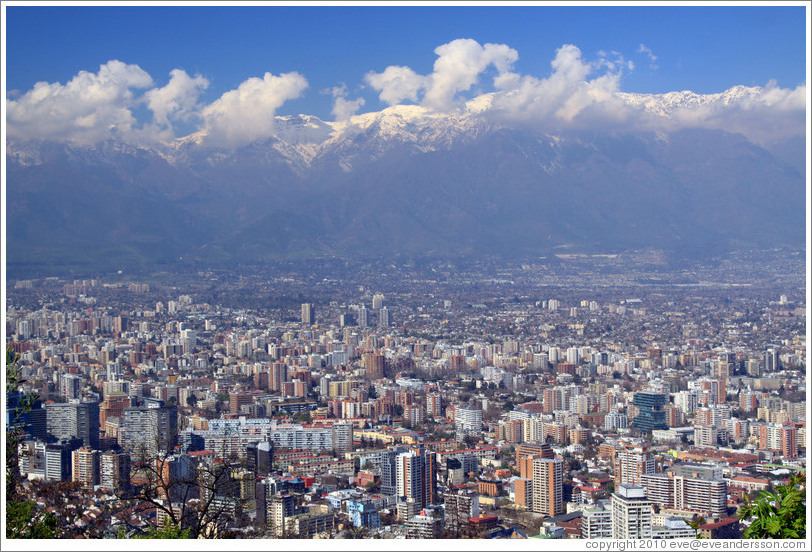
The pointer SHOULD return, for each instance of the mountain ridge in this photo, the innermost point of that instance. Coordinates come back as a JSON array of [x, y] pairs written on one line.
[[403, 181]]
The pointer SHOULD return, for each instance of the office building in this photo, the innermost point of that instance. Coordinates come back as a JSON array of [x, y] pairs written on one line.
[[650, 411]]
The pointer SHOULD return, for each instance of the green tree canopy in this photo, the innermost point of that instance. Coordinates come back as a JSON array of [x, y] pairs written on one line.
[[777, 515]]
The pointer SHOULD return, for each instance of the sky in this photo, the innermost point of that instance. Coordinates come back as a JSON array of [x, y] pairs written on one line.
[[176, 69]]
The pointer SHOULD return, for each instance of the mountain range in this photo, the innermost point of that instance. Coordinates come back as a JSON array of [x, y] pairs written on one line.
[[402, 182]]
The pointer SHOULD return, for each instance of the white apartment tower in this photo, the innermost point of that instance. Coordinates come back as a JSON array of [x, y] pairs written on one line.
[[631, 513]]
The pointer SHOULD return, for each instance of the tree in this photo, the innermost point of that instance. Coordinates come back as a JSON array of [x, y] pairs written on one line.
[[696, 524], [24, 518], [170, 531], [200, 497], [780, 514]]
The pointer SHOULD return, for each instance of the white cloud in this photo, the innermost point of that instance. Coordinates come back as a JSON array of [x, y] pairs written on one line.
[[240, 116], [564, 98], [577, 94], [397, 84], [89, 108], [343, 108], [456, 69], [176, 100], [643, 49], [762, 114]]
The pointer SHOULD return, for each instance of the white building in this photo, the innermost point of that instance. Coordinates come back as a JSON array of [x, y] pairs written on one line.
[[631, 513]]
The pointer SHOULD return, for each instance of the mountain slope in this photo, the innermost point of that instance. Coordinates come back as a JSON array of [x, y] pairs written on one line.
[[399, 182]]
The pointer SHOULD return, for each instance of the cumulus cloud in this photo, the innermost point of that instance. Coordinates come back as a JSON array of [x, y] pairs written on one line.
[[343, 109], [566, 97], [457, 68], [89, 108], [93, 107], [178, 99], [247, 113], [397, 84], [578, 93]]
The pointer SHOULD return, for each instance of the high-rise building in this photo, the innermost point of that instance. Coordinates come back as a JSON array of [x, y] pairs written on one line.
[[689, 487], [384, 318], [342, 436], [596, 520], [259, 457], [416, 474], [753, 367], [548, 481], [388, 466], [149, 430], [459, 506], [280, 508], [771, 361], [70, 386], [631, 513], [114, 470], [377, 301], [308, 314], [113, 405], [374, 363], [58, 460], [779, 438], [28, 417], [650, 411], [434, 405], [363, 317], [706, 436], [527, 452], [631, 463], [468, 421], [615, 420], [86, 467], [75, 419]]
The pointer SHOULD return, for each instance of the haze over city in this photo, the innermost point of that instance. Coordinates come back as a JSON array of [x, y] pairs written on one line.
[[397, 272]]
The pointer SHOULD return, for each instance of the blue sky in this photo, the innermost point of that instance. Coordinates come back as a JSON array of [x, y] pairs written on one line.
[[155, 73], [703, 49]]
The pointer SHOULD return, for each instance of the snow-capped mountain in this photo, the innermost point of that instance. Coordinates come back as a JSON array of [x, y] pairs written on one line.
[[404, 180]]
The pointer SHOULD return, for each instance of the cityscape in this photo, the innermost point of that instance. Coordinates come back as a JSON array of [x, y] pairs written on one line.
[[294, 272], [496, 401]]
